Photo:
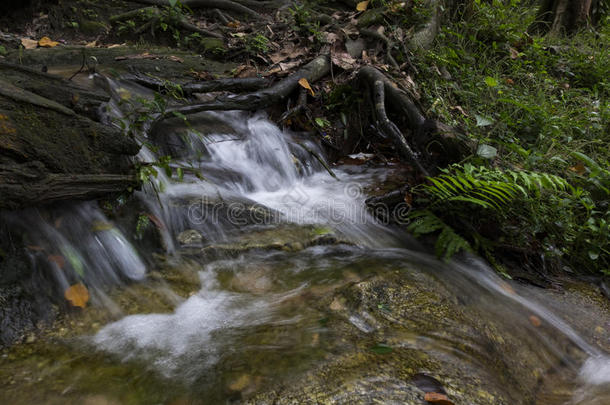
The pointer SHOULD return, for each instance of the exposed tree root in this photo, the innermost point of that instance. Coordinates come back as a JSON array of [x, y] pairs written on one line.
[[391, 130], [233, 85], [313, 71], [388, 44], [155, 14], [211, 4]]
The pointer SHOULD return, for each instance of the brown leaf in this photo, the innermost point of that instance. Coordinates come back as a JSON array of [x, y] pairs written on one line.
[[233, 24], [534, 320], [514, 54], [77, 294], [47, 42], [58, 260], [35, 248], [91, 44], [305, 84], [362, 5], [510, 81], [579, 168], [437, 398], [343, 60], [460, 109], [28, 43]]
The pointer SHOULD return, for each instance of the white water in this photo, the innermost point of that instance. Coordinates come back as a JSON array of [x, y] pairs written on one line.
[[256, 163]]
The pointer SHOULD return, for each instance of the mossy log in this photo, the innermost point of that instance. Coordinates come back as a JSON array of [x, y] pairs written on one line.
[[51, 146]]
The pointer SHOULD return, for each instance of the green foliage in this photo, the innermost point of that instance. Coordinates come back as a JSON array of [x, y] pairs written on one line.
[[539, 104], [256, 44], [525, 206]]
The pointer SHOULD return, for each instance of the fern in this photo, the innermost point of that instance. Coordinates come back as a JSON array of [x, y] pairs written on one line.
[[491, 189], [448, 242]]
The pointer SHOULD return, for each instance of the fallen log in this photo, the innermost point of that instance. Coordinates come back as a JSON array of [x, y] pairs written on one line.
[[49, 151]]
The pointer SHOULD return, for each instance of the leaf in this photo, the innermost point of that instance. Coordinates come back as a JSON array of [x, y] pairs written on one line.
[[579, 168], [58, 260], [47, 42], [363, 5], [77, 294], [534, 320], [486, 151], [381, 348], [305, 84], [28, 43], [491, 82], [437, 398], [482, 121], [514, 54], [172, 3]]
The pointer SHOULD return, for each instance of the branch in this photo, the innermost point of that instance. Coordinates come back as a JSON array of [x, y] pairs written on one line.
[[211, 4]]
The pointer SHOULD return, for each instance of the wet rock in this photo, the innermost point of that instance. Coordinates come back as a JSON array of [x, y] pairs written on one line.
[[189, 237]]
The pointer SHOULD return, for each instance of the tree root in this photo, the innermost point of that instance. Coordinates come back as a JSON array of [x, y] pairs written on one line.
[[211, 4], [233, 85], [313, 71], [391, 130], [388, 44], [155, 13]]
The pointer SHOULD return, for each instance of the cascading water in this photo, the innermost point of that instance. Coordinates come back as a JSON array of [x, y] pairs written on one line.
[[254, 317]]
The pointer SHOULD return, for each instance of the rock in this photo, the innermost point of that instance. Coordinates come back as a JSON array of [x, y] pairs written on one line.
[[355, 48], [190, 237]]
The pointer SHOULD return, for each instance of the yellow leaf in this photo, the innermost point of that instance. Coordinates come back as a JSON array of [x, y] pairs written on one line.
[[534, 320], [305, 84], [77, 294], [46, 42], [28, 43], [437, 398], [362, 5]]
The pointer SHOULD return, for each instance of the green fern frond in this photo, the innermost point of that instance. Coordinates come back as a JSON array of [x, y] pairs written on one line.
[[448, 242]]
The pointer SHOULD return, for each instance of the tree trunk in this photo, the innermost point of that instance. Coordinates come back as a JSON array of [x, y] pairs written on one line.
[[562, 16]]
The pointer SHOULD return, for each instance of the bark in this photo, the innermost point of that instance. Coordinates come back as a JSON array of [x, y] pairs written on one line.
[[561, 16], [49, 151]]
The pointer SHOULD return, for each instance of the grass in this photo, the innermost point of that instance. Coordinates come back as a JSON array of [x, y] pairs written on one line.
[[538, 104]]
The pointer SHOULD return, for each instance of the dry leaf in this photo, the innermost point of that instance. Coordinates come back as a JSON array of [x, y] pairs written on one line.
[[35, 248], [28, 43], [305, 84], [233, 24], [58, 260], [343, 60], [514, 54], [362, 5], [535, 320], [47, 42], [77, 294], [579, 168], [175, 59], [437, 398], [460, 109], [510, 81], [92, 44]]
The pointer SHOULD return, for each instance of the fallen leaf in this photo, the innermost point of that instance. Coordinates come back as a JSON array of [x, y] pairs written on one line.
[[305, 84], [233, 24], [175, 59], [58, 260], [507, 288], [437, 398], [510, 81], [47, 42], [514, 54], [77, 294], [362, 5], [535, 320], [579, 168], [343, 60], [92, 44], [28, 43], [35, 248]]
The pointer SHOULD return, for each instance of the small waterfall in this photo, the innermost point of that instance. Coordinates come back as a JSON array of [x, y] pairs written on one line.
[[244, 174]]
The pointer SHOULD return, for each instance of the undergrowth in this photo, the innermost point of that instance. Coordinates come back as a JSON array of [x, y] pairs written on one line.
[[538, 109]]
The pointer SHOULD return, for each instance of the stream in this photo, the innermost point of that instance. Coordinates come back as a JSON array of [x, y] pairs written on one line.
[[265, 280]]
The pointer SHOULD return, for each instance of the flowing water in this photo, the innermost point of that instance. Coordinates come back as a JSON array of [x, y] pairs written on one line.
[[265, 279]]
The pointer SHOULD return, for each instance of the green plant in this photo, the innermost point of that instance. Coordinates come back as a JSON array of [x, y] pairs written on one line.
[[256, 44]]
